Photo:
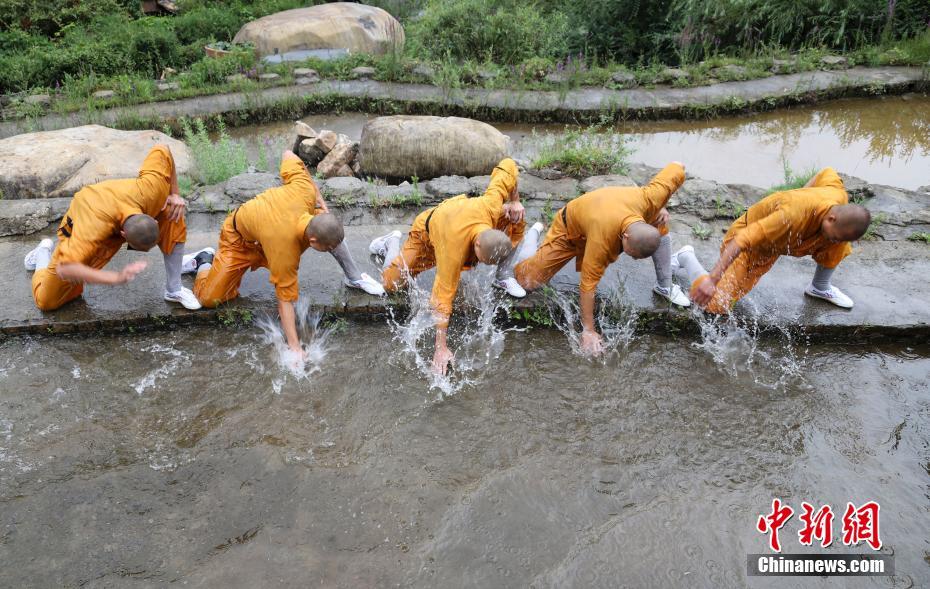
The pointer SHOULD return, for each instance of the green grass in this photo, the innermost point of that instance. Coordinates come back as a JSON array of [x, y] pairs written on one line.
[[701, 231], [920, 237], [584, 152], [214, 161], [793, 179]]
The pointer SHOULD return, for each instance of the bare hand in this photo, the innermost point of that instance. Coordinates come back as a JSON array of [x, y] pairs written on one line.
[[592, 343], [441, 359], [514, 212], [661, 218], [704, 292], [175, 205], [128, 274]]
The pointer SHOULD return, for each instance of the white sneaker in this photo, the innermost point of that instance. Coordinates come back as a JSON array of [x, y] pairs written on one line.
[[673, 294], [185, 297], [511, 286], [538, 227], [834, 295], [366, 283], [30, 260], [377, 245], [189, 263]]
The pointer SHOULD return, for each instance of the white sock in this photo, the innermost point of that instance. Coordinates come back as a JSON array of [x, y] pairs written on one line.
[[525, 249], [43, 257], [173, 268], [690, 264], [391, 249]]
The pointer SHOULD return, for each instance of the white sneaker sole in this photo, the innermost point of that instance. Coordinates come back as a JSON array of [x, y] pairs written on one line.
[[830, 300]]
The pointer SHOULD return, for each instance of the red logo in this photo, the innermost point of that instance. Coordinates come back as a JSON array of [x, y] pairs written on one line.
[[859, 524], [771, 523]]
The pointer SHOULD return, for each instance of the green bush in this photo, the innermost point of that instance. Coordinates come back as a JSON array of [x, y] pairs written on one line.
[[502, 31], [214, 162], [584, 152]]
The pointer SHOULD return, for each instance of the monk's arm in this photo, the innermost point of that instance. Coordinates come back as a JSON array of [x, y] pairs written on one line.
[[730, 253], [77, 272], [587, 310], [289, 324]]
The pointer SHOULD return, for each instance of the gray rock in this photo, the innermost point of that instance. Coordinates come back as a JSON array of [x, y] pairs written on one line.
[[531, 186], [303, 130], [547, 173], [338, 162], [363, 72], [22, 217], [39, 99], [309, 152], [623, 79], [479, 184], [423, 71], [245, 186], [167, 86], [304, 80], [269, 77], [833, 60], [924, 189], [671, 74], [856, 187], [448, 186], [782, 66], [595, 182], [641, 173], [343, 187], [485, 75], [709, 200], [236, 78], [557, 77], [730, 72], [302, 72], [104, 94], [211, 199]]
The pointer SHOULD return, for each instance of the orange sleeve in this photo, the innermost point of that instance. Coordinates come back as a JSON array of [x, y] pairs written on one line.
[[831, 257], [596, 259], [158, 164], [772, 230], [663, 185], [294, 173], [503, 181], [828, 177], [283, 265], [448, 273]]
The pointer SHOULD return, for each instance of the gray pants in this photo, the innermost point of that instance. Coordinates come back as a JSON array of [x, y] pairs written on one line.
[[525, 249]]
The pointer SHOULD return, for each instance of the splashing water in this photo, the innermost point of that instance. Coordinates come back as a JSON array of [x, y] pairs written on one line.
[[314, 342], [616, 319], [733, 342], [175, 359], [474, 338]]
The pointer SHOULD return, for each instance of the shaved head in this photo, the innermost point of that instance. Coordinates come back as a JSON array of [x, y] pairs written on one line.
[[641, 240], [846, 222], [141, 232], [493, 246], [326, 229]]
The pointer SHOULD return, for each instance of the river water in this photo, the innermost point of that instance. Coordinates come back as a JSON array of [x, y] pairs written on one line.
[[192, 458], [881, 140]]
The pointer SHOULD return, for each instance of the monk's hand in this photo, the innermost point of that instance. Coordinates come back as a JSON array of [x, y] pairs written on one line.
[[592, 343], [175, 205], [704, 292], [661, 218], [441, 359], [514, 211], [129, 273]]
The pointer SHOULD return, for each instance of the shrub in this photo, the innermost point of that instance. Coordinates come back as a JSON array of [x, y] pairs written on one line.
[[584, 152], [793, 179], [217, 161], [502, 31]]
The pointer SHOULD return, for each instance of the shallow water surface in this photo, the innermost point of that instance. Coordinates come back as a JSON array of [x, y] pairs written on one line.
[[884, 140], [190, 457]]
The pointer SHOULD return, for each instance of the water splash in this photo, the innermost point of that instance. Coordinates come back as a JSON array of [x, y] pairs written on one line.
[[733, 342], [616, 319], [473, 336], [314, 342], [175, 359]]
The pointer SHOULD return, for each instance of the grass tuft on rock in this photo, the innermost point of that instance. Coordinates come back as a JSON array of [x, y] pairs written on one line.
[[590, 151], [214, 161]]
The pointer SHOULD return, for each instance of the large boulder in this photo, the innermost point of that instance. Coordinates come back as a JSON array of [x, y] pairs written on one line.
[[356, 28], [59, 163], [404, 146]]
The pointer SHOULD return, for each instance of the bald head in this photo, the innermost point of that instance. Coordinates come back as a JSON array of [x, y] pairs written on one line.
[[641, 240], [846, 222], [141, 232], [492, 246], [325, 230]]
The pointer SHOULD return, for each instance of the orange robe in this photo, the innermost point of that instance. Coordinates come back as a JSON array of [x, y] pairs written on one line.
[[590, 229], [268, 231], [781, 224], [89, 233], [449, 242]]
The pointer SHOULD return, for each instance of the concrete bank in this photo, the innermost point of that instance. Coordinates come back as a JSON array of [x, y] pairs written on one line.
[[886, 277], [583, 104]]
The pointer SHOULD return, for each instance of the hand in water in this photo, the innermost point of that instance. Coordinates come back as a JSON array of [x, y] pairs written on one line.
[[704, 292], [128, 274], [592, 343], [296, 358], [441, 359]]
